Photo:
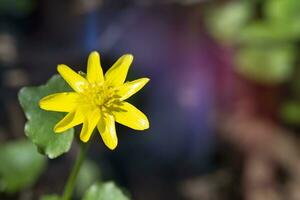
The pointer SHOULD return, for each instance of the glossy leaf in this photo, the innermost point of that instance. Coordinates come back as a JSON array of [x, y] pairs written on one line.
[[20, 166], [39, 128], [106, 191]]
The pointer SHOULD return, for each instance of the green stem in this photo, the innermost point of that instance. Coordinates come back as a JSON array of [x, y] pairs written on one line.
[[69, 188]]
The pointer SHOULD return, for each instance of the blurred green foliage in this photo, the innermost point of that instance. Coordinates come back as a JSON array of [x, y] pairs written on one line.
[[267, 65], [265, 34], [97, 191], [89, 174], [20, 166], [266, 37], [104, 191], [39, 128], [227, 21]]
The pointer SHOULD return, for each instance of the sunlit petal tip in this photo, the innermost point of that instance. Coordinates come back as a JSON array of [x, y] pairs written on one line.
[[128, 89], [59, 102], [66, 71], [62, 67], [111, 143], [69, 121], [86, 133], [42, 103], [76, 81], [128, 56], [144, 124], [145, 80], [90, 123], [131, 117], [58, 129], [107, 130], [94, 53], [112, 146], [116, 74], [84, 139]]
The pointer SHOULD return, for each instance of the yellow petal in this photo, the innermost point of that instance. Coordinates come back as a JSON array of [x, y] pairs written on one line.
[[70, 120], [94, 69], [77, 82], [130, 116], [106, 127], [116, 75], [130, 88], [89, 125], [60, 102]]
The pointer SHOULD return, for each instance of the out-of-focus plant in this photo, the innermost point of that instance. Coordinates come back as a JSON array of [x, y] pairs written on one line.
[[97, 102], [107, 191], [265, 35], [89, 174], [20, 165]]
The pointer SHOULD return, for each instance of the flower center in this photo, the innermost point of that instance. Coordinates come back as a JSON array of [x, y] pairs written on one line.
[[99, 95]]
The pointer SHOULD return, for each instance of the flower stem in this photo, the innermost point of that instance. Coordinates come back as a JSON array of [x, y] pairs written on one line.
[[69, 187]]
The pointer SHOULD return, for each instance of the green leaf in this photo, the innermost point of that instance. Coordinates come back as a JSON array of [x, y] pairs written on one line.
[[266, 33], [20, 165], [89, 174], [50, 197], [106, 191], [39, 128], [262, 32], [266, 65], [280, 23], [279, 10], [226, 22]]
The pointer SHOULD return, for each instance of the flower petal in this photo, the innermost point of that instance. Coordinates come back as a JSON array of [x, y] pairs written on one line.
[[130, 116], [130, 88], [77, 82], [106, 127], [89, 125], [116, 75], [70, 120], [60, 102], [94, 69]]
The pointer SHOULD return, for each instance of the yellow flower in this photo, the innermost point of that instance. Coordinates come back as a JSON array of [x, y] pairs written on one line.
[[98, 100]]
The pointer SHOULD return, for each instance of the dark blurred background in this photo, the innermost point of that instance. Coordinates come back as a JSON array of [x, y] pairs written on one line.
[[223, 100]]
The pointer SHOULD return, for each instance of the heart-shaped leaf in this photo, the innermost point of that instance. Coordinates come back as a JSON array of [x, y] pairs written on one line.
[[39, 128]]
